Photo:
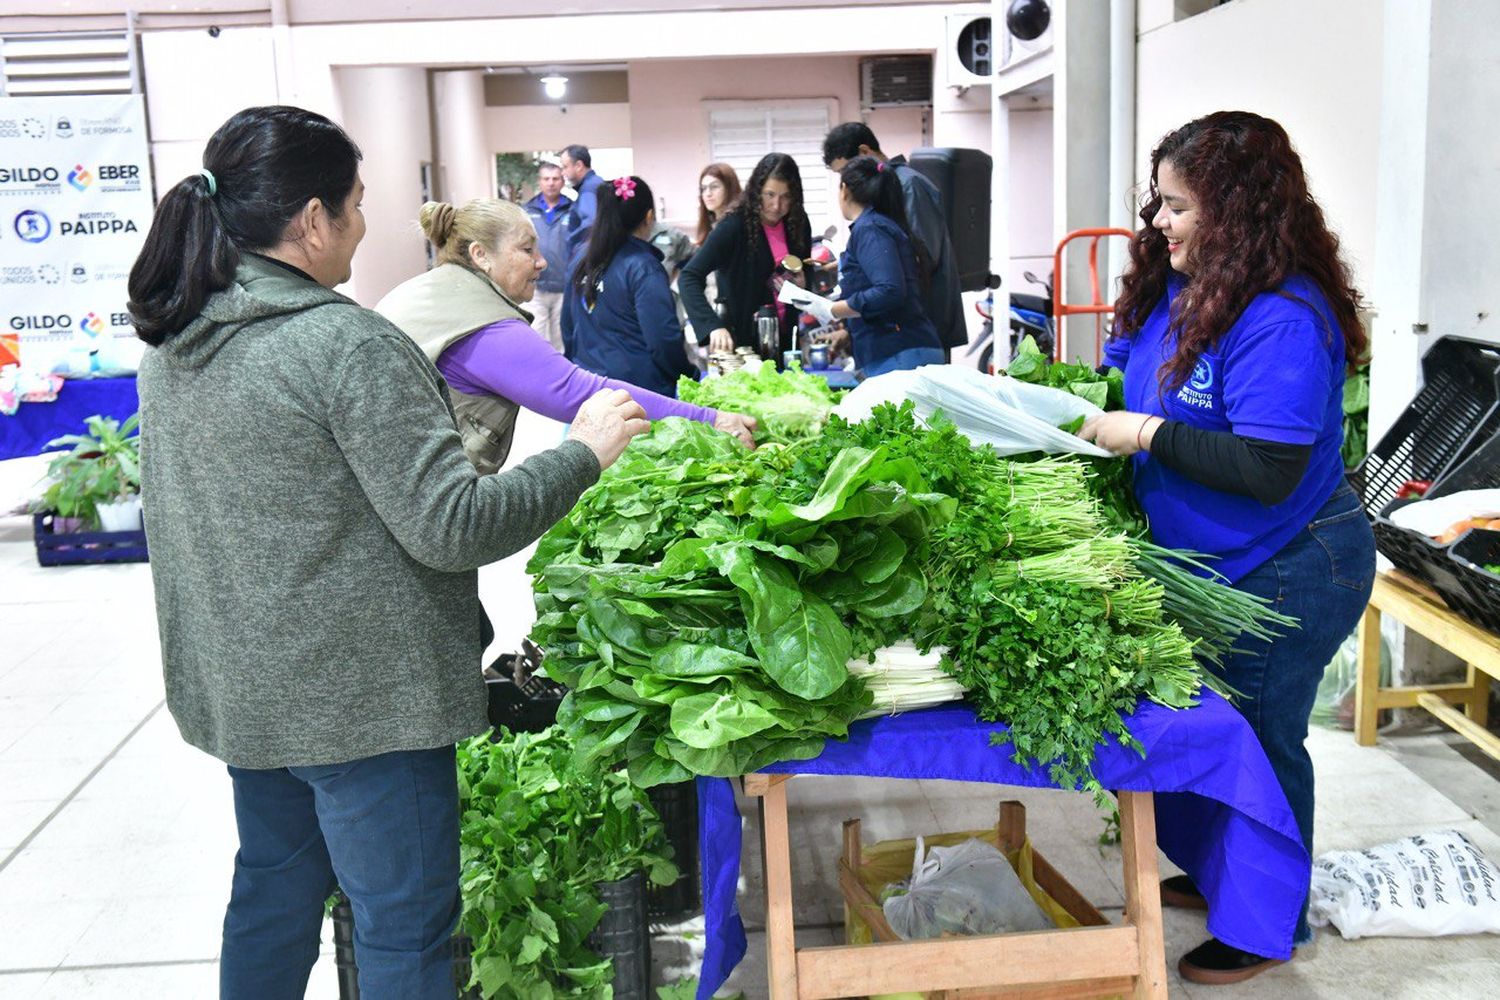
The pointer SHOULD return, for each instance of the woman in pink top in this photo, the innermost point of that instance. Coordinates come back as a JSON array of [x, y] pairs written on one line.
[[743, 251]]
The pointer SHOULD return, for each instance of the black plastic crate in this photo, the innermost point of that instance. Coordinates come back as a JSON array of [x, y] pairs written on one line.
[[677, 805], [1419, 554], [348, 970], [1466, 585], [520, 699], [623, 935], [1457, 408], [77, 548]]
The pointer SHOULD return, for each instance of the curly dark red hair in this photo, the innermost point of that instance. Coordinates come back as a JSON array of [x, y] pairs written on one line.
[[1257, 226]]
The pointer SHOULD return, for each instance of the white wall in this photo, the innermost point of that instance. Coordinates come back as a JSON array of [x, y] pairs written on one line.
[[525, 127], [670, 123], [1439, 191], [182, 111], [1314, 67], [1030, 184], [386, 112]]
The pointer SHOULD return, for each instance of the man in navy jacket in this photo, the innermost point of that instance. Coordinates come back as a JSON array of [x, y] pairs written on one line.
[[550, 212], [578, 169]]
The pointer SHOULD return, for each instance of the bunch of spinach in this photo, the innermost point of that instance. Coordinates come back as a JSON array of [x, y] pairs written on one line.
[[702, 602], [536, 835], [789, 405]]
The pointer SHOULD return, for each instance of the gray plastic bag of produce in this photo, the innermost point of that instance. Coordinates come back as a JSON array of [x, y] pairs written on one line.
[[966, 889]]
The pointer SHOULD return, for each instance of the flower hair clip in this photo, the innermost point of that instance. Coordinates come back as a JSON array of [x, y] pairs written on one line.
[[624, 188]]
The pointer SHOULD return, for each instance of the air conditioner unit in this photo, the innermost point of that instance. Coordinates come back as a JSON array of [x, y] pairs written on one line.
[[969, 55], [1027, 34], [895, 82]]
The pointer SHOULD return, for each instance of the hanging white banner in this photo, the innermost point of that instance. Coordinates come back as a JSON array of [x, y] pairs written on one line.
[[75, 204]]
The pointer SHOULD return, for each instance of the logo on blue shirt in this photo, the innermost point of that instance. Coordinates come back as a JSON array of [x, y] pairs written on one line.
[[1197, 391]]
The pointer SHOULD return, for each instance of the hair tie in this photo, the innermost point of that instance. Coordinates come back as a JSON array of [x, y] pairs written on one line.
[[213, 185], [880, 166], [624, 188]]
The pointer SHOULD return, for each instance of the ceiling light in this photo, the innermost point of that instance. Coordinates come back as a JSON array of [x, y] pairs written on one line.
[[555, 86]]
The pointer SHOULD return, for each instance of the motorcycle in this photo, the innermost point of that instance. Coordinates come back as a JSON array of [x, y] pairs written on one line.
[[1029, 315]]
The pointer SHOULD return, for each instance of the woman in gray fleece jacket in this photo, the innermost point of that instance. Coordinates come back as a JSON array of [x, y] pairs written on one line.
[[315, 534]]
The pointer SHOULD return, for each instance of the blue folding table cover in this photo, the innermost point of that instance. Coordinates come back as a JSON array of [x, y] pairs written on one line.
[[1220, 813], [27, 431]]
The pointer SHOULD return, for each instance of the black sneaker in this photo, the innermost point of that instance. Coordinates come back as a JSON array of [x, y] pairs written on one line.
[[1214, 963], [1179, 891]]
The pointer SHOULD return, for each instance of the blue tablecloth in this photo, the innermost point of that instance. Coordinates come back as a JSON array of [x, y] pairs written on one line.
[[1220, 814], [27, 431]]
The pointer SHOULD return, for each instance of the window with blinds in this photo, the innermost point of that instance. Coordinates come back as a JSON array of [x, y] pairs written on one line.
[[741, 132], [67, 63]]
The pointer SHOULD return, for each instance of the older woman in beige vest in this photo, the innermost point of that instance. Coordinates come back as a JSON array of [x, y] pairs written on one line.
[[467, 314]]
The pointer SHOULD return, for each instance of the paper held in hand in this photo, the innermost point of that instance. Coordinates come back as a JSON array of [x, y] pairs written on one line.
[[795, 295]]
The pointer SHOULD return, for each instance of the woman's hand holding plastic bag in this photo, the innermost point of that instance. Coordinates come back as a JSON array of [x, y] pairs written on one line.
[[1011, 416]]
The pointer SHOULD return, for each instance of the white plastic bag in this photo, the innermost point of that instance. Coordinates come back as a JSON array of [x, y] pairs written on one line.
[[1432, 517], [1013, 417], [966, 889], [1430, 885]]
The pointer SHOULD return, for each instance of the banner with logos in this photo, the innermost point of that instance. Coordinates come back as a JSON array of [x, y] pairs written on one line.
[[75, 205]]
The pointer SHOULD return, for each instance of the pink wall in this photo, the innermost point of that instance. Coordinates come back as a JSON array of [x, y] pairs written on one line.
[[670, 125]]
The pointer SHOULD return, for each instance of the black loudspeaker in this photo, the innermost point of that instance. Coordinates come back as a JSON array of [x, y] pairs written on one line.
[[962, 177]]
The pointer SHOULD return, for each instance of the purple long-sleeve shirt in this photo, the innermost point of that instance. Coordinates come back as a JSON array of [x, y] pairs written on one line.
[[511, 359]]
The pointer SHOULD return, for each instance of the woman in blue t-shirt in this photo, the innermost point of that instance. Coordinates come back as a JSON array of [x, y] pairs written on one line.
[[880, 293], [1235, 326]]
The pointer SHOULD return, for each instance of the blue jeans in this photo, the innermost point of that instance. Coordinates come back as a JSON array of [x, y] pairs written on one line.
[[385, 829], [912, 357], [1322, 577]]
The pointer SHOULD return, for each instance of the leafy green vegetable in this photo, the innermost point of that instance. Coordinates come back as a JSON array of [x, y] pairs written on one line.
[[1030, 365], [702, 601], [790, 405], [537, 834]]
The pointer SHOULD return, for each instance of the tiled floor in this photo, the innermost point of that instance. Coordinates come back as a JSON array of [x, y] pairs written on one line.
[[116, 839]]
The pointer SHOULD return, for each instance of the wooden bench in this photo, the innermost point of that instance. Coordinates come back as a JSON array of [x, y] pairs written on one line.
[[1087, 961], [1422, 611]]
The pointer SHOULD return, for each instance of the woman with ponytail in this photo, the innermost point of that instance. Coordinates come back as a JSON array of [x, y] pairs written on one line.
[[1236, 323], [315, 530], [468, 314], [619, 319], [881, 295]]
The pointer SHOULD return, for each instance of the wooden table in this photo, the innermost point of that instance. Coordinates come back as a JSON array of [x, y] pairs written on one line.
[[1037, 965], [1422, 611]]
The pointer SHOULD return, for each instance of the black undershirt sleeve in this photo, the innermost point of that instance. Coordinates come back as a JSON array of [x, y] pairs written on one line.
[[1268, 471]]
